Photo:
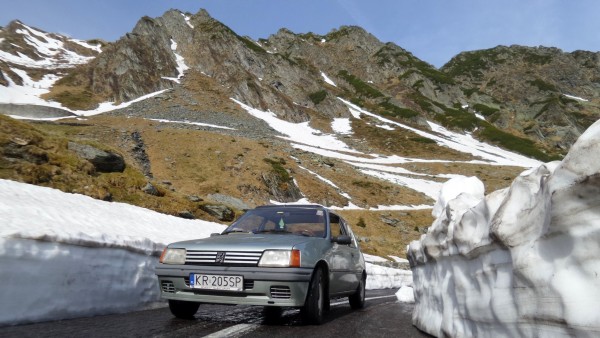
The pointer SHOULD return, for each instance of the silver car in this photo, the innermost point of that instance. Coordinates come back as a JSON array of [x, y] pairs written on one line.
[[275, 256]]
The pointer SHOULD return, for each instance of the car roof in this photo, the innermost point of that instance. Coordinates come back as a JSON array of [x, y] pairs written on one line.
[[300, 206]]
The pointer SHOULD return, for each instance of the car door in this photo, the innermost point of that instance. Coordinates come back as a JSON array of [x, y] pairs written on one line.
[[343, 264]]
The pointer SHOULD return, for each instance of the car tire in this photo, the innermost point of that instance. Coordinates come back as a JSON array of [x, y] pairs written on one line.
[[182, 309], [357, 300], [314, 307]]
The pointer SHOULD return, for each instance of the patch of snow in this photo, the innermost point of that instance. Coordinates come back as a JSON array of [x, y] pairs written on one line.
[[328, 80], [398, 259], [97, 48], [523, 261], [342, 126], [328, 182], [181, 66], [381, 277], [298, 132], [460, 142], [576, 98], [385, 126], [187, 20], [464, 106], [51, 51], [429, 188], [193, 123], [372, 258], [323, 40], [406, 294], [479, 116]]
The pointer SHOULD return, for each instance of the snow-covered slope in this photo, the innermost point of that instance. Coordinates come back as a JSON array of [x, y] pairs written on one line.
[[520, 262]]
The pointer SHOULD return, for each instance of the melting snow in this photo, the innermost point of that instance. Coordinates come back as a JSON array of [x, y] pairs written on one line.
[[187, 20], [576, 98], [328, 80], [192, 123], [181, 66], [50, 50], [342, 126], [298, 132]]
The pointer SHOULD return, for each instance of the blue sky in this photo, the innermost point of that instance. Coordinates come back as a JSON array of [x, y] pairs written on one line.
[[433, 30]]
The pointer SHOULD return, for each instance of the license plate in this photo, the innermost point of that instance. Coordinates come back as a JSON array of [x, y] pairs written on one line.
[[216, 282]]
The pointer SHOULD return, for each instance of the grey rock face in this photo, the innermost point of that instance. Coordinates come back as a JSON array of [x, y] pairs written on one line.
[[103, 161], [221, 212], [229, 200], [150, 189]]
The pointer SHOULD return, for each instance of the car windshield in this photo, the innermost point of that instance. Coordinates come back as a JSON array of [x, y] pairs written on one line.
[[284, 220]]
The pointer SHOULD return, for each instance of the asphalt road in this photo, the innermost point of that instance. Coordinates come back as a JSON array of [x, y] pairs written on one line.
[[382, 316]]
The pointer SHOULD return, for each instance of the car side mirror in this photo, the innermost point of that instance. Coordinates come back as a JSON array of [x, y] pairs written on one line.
[[342, 240], [215, 234]]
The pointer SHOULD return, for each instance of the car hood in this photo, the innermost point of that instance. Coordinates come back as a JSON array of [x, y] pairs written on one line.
[[245, 242]]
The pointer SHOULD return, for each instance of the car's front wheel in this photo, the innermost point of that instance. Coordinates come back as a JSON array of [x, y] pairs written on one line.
[[357, 299], [182, 309], [312, 311]]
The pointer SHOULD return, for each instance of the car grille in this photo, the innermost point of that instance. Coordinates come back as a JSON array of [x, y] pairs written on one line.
[[281, 292], [231, 258], [167, 286], [248, 284]]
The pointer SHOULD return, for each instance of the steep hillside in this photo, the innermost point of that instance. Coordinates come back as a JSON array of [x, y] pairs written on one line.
[[543, 93], [209, 122]]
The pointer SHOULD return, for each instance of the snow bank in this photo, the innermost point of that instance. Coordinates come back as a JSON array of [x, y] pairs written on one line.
[[523, 261], [67, 255]]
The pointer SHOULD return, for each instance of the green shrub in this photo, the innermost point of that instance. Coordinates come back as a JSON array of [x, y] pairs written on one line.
[[395, 111], [543, 85], [277, 167], [361, 222], [360, 87], [318, 97], [485, 110]]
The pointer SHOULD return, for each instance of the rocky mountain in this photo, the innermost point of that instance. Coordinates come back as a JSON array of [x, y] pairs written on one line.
[[544, 93], [342, 119], [535, 101]]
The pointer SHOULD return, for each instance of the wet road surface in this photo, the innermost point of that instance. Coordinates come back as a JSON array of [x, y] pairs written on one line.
[[382, 316]]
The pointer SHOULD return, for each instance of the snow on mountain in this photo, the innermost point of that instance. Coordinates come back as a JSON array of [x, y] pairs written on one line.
[[50, 51], [303, 137], [522, 261]]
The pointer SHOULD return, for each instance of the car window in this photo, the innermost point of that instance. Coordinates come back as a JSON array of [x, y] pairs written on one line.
[[346, 229], [336, 225], [294, 220]]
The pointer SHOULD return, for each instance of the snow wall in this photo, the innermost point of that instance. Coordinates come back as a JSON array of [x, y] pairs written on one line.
[[521, 262]]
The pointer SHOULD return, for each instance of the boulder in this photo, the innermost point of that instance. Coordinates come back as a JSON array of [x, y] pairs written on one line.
[[221, 212], [103, 161]]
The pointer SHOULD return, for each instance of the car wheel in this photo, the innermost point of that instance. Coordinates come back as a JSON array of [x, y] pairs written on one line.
[[357, 300], [182, 309], [312, 311]]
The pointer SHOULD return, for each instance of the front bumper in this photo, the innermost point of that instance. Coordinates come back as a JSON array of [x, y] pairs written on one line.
[[262, 286]]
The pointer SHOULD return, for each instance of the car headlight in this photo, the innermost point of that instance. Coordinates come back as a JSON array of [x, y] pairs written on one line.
[[280, 259], [173, 256]]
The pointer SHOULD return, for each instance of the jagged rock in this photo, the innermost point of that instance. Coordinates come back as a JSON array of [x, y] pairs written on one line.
[[221, 212], [186, 214], [390, 221], [195, 199], [150, 189], [103, 161], [282, 190], [229, 200], [139, 153]]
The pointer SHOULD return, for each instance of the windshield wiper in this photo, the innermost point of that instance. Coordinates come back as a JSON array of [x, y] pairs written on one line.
[[236, 230], [273, 231]]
